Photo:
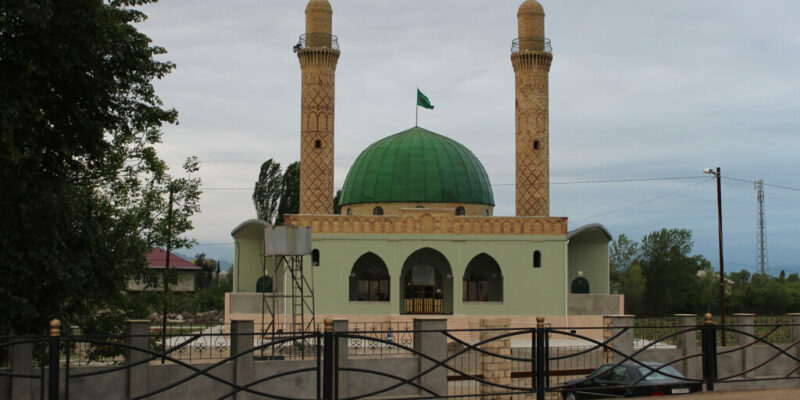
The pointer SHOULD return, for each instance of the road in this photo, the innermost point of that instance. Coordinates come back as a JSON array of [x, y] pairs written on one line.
[[772, 394]]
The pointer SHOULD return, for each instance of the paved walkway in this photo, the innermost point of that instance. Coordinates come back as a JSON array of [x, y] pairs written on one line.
[[772, 394]]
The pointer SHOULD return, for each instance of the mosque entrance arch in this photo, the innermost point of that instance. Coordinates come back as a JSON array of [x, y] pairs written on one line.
[[427, 283]]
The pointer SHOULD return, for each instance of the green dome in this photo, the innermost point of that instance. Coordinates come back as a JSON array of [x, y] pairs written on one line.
[[417, 165]]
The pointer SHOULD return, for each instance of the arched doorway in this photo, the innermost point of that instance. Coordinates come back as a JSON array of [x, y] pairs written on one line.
[[427, 283], [580, 285]]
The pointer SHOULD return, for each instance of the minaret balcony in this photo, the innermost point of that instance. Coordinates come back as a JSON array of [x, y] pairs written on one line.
[[533, 43], [317, 41]]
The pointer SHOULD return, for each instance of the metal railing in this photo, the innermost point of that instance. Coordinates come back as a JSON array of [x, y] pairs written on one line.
[[532, 43], [446, 361], [317, 41]]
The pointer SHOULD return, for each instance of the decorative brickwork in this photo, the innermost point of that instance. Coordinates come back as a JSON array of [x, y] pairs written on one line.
[[430, 221], [394, 208], [495, 370], [316, 130], [532, 127]]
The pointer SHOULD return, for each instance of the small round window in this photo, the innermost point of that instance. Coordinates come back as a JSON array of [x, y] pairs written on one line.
[[349, 211], [486, 212], [460, 210], [377, 210]]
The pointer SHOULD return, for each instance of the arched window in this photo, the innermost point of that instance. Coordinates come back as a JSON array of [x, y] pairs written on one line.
[[317, 144], [483, 280], [536, 145], [264, 284], [460, 210], [369, 279], [315, 257], [349, 211], [580, 285], [486, 212], [377, 210], [537, 259]]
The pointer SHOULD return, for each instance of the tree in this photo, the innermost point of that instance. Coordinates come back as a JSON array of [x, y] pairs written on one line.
[[209, 267], [81, 181], [337, 208], [290, 192], [670, 271], [621, 254], [267, 191]]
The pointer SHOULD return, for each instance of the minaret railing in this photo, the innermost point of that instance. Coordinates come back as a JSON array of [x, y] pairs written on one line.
[[317, 41], [532, 43]]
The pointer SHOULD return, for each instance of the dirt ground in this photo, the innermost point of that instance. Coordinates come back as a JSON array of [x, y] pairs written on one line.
[[772, 394]]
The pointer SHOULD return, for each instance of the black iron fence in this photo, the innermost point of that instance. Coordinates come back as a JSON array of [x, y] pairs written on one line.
[[422, 361]]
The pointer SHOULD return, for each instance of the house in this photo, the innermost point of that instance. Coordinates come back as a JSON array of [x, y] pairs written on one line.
[[183, 270]]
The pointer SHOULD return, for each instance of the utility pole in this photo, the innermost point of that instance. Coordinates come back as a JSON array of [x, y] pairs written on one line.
[[721, 261], [761, 226], [166, 277]]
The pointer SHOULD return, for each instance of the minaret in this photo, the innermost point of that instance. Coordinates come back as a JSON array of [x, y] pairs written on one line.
[[318, 52], [531, 56]]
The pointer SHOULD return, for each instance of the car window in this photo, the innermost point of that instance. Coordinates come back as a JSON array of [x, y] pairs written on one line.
[[600, 371], [658, 376], [620, 374]]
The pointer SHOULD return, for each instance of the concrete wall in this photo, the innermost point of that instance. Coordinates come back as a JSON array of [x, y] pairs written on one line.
[[595, 304]]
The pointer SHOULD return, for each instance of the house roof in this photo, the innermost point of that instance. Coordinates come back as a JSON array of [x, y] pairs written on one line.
[[157, 259]]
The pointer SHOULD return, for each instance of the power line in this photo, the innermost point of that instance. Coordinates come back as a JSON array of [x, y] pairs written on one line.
[[644, 201], [626, 180]]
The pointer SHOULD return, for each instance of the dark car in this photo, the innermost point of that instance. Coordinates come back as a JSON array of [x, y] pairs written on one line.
[[629, 379]]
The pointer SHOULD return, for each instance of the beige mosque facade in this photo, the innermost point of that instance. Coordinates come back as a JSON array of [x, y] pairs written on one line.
[[417, 235]]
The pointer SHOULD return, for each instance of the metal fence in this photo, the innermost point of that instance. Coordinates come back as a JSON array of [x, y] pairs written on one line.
[[500, 363]]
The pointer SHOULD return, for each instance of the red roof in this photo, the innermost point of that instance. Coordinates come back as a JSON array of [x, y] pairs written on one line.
[[157, 259]]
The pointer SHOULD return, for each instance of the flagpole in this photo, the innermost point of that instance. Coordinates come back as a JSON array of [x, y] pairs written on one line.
[[416, 109]]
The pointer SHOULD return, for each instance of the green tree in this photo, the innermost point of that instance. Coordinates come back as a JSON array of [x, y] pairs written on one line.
[[337, 208], [209, 267], [670, 271], [290, 192], [622, 253], [633, 284], [267, 191], [80, 177]]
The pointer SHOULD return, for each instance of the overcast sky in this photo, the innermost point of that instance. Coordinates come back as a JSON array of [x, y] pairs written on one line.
[[638, 89]]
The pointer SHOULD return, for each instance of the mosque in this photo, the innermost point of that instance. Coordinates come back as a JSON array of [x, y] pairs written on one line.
[[417, 235]]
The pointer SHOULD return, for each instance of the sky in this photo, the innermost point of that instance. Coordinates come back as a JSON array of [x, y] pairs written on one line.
[[639, 91]]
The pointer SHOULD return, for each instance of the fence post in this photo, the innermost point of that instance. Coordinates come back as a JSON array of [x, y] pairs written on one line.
[[495, 370], [242, 341], [541, 353], [794, 330], [21, 363], [745, 325], [54, 356], [624, 342], [687, 344], [136, 335], [709, 352], [432, 342], [340, 382], [327, 361]]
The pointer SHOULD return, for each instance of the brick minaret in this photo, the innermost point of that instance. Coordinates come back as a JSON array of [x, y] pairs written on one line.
[[318, 52], [531, 57]]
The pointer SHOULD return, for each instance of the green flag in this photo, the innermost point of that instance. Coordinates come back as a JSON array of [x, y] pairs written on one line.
[[423, 101]]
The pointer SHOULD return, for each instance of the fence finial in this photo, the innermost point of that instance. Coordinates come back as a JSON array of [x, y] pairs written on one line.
[[328, 324], [540, 322], [709, 321], [55, 327]]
